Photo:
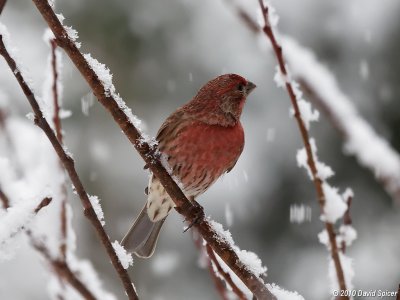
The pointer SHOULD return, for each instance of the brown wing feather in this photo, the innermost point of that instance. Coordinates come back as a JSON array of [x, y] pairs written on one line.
[[234, 163]]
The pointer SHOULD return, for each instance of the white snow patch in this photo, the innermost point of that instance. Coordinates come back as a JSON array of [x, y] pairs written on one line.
[[252, 262], [307, 113], [280, 79], [324, 238], [348, 193], [323, 171], [335, 206], [124, 257], [105, 76], [282, 294], [347, 234], [95, 201], [370, 149]]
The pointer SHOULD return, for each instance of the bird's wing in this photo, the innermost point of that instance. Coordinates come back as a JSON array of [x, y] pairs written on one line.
[[234, 162], [170, 125]]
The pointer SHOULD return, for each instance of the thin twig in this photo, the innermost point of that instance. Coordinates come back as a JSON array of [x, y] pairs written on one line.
[[185, 207], [46, 201], [211, 262], [389, 181], [58, 130], [225, 275], [62, 269], [347, 220], [54, 89], [2, 4], [68, 163], [306, 140], [60, 266], [4, 199], [219, 284]]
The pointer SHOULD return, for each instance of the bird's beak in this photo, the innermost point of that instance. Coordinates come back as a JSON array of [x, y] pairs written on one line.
[[250, 87]]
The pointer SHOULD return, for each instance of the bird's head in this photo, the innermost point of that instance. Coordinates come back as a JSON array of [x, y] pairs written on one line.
[[221, 100]]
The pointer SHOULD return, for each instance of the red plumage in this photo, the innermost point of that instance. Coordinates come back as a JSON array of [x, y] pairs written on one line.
[[201, 141]]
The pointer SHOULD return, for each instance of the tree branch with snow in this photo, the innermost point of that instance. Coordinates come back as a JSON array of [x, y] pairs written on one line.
[[55, 62], [222, 279], [331, 204], [68, 163], [62, 269], [381, 159]]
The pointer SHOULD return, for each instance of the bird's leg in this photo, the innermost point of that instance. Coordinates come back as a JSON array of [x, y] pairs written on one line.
[[196, 213]]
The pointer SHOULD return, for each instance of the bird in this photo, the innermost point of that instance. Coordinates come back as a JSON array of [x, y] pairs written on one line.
[[200, 141]]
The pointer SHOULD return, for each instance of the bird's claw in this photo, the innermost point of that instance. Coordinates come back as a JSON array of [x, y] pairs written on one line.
[[198, 212]]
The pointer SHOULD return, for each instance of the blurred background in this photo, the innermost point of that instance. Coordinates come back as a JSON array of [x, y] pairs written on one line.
[[161, 53]]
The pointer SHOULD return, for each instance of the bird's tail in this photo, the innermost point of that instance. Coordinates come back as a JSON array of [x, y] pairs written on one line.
[[142, 237]]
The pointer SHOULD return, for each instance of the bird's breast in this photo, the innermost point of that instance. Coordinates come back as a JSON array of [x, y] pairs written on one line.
[[200, 153]]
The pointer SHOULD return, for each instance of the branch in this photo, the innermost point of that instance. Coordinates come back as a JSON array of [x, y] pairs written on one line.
[[225, 275], [347, 221], [68, 163], [60, 266], [398, 293], [46, 201], [4, 199], [388, 177], [2, 4], [62, 269], [58, 130], [117, 110], [306, 140], [308, 68], [54, 88], [213, 261]]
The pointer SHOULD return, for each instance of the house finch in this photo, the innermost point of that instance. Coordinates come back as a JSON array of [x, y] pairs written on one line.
[[201, 141]]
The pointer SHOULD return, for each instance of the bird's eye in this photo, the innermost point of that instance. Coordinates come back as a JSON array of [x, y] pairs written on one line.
[[240, 87]]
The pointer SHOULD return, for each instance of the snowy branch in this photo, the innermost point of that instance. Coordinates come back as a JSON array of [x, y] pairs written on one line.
[[311, 159], [371, 150], [62, 269], [107, 96], [227, 277], [381, 159], [54, 62], [69, 166], [215, 269], [60, 266]]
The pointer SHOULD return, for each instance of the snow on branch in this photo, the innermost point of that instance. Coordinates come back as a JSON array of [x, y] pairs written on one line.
[[62, 269], [371, 150], [381, 159], [331, 203], [15, 218], [68, 163], [99, 80]]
